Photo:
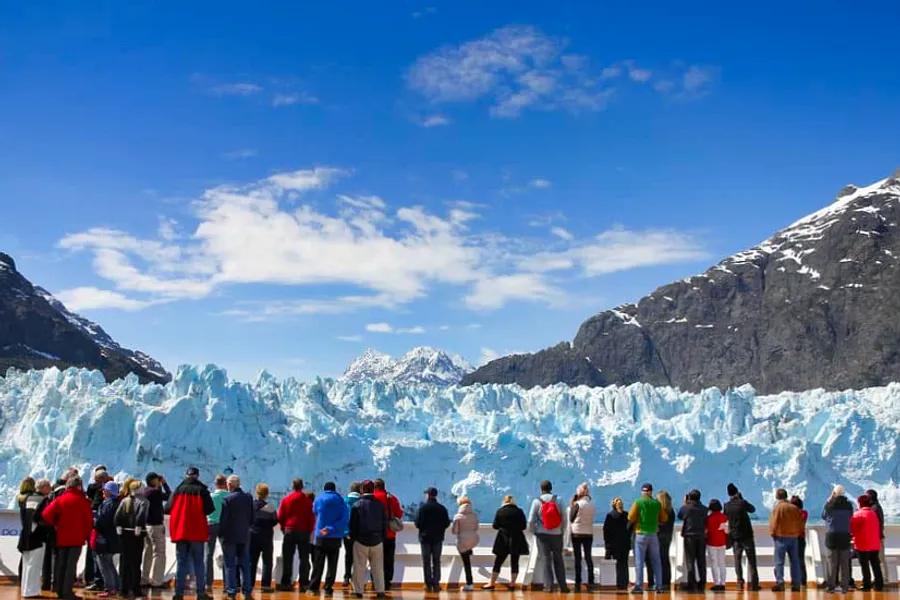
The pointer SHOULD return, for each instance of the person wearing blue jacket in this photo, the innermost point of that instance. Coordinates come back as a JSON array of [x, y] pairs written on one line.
[[350, 500], [235, 522], [837, 514], [106, 542], [332, 520]]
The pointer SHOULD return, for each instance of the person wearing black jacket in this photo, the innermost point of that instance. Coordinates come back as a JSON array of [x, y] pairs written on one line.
[[876, 506], [432, 520], [693, 531], [368, 529], [740, 533], [510, 523], [32, 499], [837, 514], [93, 574], [157, 493], [617, 541], [665, 534], [106, 541], [262, 533], [238, 515]]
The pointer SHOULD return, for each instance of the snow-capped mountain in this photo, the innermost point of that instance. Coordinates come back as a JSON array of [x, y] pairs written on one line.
[[815, 305], [484, 441], [422, 365], [37, 331]]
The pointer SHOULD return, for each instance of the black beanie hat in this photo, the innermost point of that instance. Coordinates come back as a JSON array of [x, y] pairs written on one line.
[[732, 489]]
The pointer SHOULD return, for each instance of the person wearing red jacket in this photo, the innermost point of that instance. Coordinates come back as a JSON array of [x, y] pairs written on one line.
[[866, 531], [716, 540], [394, 511], [187, 509], [70, 515], [295, 516]]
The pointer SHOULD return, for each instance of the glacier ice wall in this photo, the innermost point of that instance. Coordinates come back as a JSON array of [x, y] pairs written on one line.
[[484, 441]]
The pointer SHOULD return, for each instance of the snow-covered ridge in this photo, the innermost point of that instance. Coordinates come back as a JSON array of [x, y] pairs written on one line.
[[422, 364], [482, 440]]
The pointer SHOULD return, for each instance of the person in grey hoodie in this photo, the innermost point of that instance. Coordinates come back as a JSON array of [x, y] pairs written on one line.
[[693, 531], [350, 499], [581, 521], [465, 527], [546, 522], [836, 514]]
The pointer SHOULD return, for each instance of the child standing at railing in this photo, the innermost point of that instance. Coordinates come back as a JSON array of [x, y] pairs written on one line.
[[716, 538]]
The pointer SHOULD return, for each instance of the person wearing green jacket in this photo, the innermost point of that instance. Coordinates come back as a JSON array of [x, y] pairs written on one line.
[[217, 495], [645, 516]]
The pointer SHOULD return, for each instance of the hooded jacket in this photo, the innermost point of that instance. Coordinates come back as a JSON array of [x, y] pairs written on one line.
[[866, 530], [187, 508], [510, 523], [71, 515], [837, 514], [265, 519], [432, 520], [581, 516], [368, 521], [350, 499], [295, 513], [616, 538], [465, 527], [332, 514], [237, 517], [693, 515], [534, 515], [738, 512], [107, 540], [33, 532]]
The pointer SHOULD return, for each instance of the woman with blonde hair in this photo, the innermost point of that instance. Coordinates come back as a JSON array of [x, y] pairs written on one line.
[[131, 523], [665, 534], [32, 536], [581, 520], [510, 523], [465, 527], [617, 540], [262, 536]]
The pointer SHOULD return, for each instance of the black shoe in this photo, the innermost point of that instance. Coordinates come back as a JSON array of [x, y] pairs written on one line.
[[357, 595], [637, 590], [267, 590], [565, 590], [232, 596], [795, 588], [329, 593], [381, 595], [778, 587], [312, 592], [387, 586], [177, 597], [755, 587], [284, 588]]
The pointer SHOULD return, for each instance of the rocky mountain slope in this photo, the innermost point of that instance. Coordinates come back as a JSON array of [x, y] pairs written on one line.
[[421, 365], [37, 331], [816, 305]]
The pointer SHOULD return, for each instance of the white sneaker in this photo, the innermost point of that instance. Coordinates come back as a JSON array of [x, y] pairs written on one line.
[[468, 587]]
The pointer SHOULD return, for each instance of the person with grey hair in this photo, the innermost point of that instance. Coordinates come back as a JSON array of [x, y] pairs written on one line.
[[837, 514], [237, 517]]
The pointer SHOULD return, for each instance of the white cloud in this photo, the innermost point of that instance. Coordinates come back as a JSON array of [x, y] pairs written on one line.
[[91, 298], [540, 183], [562, 233], [494, 292], [380, 328], [304, 179], [435, 121], [415, 330], [487, 355], [240, 153], [240, 88], [293, 98], [349, 338], [619, 249]]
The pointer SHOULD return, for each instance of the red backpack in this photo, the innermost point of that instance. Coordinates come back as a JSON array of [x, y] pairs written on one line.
[[550, 517]]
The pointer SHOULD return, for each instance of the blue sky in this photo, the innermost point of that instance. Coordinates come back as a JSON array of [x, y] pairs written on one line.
[[283, 186]]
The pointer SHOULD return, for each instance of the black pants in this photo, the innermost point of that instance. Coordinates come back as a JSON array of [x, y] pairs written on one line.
[[91, 572], [581, 546], [467, 565], [295, 541], [695, 562], [47, 567], [801, 552], [871, 564], [130, 562], [499, 559], [740, 547], [348, 560], [327, 550], [431, 562], [390, 548], [261, 548], [622, 571], [66, 565]]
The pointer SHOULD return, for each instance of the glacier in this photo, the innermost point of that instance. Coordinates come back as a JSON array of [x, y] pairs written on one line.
[[483, 440]]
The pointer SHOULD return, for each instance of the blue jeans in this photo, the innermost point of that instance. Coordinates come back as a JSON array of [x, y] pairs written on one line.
[[108, 571], [237, 558], [189, 556], [789, 546], [646, 545]]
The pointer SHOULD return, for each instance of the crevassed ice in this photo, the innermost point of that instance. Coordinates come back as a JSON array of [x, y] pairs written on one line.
[[483, 440]]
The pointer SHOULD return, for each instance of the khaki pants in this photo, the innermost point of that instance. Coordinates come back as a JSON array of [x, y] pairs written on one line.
[[154, 555], [373, 556], [32, 561]]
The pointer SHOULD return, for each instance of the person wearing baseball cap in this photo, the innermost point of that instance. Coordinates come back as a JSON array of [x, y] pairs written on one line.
[[157, 493], [432, 520], [645, 515], [187, 508], [107, 543]]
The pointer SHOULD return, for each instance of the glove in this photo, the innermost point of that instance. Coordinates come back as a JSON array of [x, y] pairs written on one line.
[[119, 530], [138, 531]]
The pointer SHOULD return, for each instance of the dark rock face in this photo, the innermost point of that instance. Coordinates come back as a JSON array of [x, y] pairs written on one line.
[[37, 331], [816, 305]]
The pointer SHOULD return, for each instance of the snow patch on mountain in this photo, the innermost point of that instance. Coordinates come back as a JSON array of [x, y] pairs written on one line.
[[483, 440], [422, 364]]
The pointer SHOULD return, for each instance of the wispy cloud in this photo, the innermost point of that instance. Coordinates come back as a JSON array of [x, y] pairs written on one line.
[[91, 298], [240, 153], [423, 12], [562, 233], [519, 67], [434, 121], [240, 88], [540, 183], [380, 328], [349, 338], [494, 292], [293, 98]]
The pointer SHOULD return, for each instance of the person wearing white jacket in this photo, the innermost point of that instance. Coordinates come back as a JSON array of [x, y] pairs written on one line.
[[465, 527], [581, 527]]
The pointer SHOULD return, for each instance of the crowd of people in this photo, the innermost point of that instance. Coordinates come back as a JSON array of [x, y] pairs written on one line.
[[127, 520]]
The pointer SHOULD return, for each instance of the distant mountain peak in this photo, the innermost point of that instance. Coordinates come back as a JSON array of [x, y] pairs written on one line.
[[39, 332], [422, 364]]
